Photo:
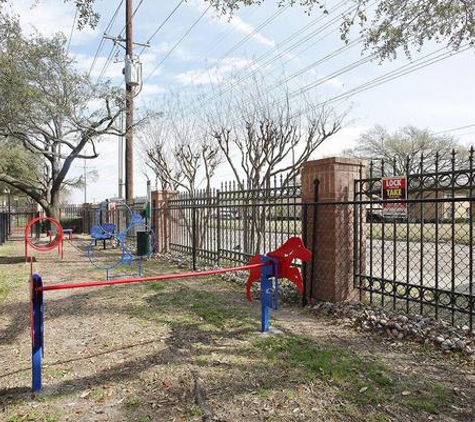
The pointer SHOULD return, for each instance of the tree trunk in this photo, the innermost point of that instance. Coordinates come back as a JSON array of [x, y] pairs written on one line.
[[52, 210]]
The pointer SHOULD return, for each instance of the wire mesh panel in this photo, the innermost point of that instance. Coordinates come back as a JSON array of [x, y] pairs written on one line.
[[421, 262]]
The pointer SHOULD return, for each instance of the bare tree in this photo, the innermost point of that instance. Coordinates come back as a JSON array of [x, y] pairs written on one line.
[[182, 156], [179, 151], [262, 136]]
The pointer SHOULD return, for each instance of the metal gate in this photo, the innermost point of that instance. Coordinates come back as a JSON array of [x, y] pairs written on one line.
[[18, 222]]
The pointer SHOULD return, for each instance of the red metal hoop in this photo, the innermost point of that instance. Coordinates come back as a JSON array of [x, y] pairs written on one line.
[[57, 242]]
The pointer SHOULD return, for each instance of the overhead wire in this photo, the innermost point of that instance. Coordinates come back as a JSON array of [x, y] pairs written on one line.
[[115, 49], [226, 32], [72, 31], [288, 50], [399, 72], [211, 45], [454, 129], [420, 63], [177, 43], [162, 25], [254, 32], [275, 48], [101, 43]]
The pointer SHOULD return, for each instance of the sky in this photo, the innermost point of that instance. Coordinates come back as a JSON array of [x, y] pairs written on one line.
[[197, 50]]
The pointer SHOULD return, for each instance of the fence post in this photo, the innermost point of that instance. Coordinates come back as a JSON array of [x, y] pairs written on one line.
[[329, 227], [218, 228], [193, 237], [160, 218]]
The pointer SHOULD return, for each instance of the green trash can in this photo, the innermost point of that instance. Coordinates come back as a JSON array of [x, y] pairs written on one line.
[[143, 243]]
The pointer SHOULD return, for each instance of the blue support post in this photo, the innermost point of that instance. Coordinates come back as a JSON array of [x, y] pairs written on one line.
[[36, 331], [267, 296]]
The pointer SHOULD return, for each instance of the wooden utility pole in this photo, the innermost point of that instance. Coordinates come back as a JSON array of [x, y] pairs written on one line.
[[129, 113]]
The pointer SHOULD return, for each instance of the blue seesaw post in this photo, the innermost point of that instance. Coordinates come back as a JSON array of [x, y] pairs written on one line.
[[267, 272], [37, 331]]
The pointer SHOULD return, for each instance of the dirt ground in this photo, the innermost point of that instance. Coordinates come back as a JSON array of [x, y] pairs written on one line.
[[191, 350]]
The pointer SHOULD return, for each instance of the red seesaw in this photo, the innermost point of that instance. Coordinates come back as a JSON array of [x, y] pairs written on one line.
[[272, 266]]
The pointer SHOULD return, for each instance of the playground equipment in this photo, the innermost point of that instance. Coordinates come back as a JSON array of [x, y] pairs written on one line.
[[35, 243], [132, 244], [266, 267]]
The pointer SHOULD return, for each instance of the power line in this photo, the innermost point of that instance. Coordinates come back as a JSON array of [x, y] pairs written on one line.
[[115, 48], [177, 43], [72, 30], [289, 49], [212, 44], [418, 64], [162, 24], [275, 48], [455, 129], [101, 43], [240, 43], [397, 73], [226, 33], [254, 32]]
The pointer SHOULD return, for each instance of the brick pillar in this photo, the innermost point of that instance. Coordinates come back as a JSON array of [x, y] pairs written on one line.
[[161, 218], [86, 211], [333, 227]]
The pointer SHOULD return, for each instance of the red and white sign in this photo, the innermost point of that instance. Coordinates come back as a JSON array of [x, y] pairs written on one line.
[[394, 196]]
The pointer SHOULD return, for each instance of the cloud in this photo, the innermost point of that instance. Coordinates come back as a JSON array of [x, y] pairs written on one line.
[[49, 20], [212, 75], [239, 25], [236, 23]]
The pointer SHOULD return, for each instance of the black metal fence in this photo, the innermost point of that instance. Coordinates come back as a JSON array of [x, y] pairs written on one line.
[[421, 262], [232, 224], [4, 227]]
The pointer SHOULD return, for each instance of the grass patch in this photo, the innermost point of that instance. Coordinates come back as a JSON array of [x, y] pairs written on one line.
[[54, 372], [34, 416], [194, 412], [13, 274], [98, 394], [358, 380], [182, 303], [431, 398], [133, 402]]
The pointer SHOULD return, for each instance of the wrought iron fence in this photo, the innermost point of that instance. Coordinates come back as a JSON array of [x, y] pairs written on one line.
[[232, 224], [4, 227], [421, 262]]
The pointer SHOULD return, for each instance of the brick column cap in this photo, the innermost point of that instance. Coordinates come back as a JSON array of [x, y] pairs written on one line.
[[334, 160]]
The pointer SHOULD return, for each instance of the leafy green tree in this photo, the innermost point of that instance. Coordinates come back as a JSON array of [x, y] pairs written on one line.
[[50, 115], [392, 26]]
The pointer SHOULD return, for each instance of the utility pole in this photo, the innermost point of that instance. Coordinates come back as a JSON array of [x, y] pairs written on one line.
[[121, 158], [133, 78], [129, 107], [85, 181]]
